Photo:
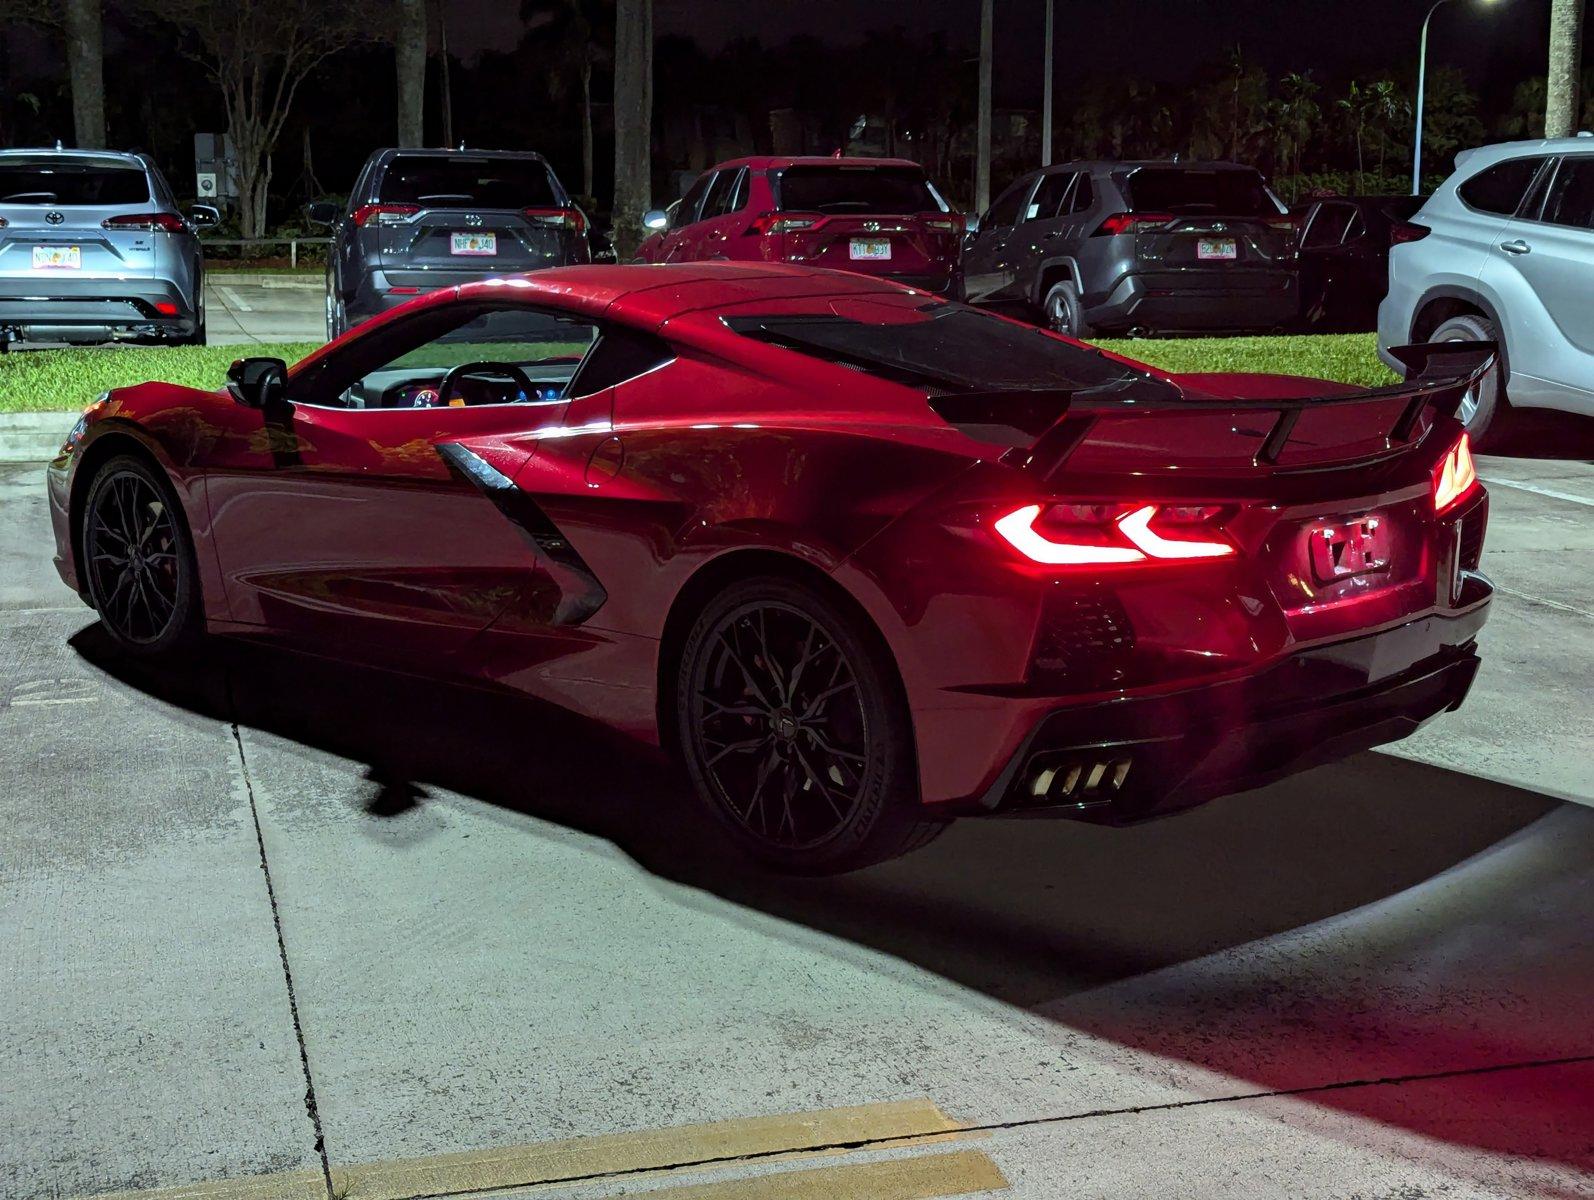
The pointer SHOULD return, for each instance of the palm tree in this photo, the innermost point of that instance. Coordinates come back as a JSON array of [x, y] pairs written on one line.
[[1295, 115], [1566, 37], [633, 124], [1357, 105], [409, 54], [579, 33]]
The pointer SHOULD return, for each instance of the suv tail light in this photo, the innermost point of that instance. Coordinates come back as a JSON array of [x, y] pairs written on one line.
[[1101, 534], [1131, 223], [1283, 222], [560, 218], [1407, 231], [784, 222], [1454, 476], [384, 214], [155, 222]]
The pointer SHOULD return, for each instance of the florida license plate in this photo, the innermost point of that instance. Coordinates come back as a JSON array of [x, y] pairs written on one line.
[[473, 243], [1217, 248], [869, 248], [55, 258]]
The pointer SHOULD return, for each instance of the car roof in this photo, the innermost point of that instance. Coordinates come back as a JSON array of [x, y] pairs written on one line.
[[104, 158], [388, 152], [1135, 164], [1498, 151], [779, 162]]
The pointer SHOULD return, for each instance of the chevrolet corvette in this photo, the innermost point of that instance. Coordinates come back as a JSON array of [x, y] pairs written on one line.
[[865, 560]]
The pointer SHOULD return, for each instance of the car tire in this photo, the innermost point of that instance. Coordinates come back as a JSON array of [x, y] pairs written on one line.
[[1484, 409], [794, 731], [337, 321], [1063, 312], [138, 565]]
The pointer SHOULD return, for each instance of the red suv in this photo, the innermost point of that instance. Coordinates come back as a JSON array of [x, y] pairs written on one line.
[[875, 216]]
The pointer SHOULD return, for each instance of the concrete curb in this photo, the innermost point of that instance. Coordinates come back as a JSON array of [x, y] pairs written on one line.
[[309, 283], [33, 436]]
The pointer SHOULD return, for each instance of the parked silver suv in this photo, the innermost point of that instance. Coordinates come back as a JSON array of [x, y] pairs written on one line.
[[1504, 252], [94, 248]]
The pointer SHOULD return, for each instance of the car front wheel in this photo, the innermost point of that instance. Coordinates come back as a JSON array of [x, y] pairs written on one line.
[[794, 732]]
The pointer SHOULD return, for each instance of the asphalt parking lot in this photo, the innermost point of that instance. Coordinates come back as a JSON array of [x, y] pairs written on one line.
[[243, 309], [277, 928]]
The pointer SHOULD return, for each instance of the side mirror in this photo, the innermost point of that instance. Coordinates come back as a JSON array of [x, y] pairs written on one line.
[[323, 212], [655, 219], [258, 382], [203, 215], [971, 223]]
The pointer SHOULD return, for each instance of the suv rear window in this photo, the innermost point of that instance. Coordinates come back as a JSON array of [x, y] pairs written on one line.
[[1184, 190], [469, 182], [856, 190], [63, 184], [946, 347], [1499, 189]]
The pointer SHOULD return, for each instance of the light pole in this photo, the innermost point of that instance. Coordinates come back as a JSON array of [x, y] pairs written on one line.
[[1046, 94], [1422, 74]]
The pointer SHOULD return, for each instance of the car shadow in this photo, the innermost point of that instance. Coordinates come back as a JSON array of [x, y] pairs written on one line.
[[1545, 434], [1376, 919]]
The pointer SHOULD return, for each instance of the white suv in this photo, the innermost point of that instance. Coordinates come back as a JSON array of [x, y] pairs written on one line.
[[1504, 252]]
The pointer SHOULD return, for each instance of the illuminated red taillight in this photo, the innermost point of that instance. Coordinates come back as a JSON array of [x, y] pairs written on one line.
[[403, 291], [384, 214], [1131, 223], [1079, 534], [1454, 476], [559, 218], [779, 222], [166, 308], [155, 222]]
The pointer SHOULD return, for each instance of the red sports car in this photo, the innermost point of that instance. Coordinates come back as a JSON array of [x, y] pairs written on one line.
[[865, 559]]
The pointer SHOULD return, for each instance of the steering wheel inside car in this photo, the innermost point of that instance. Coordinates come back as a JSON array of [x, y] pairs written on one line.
[[509, 371]]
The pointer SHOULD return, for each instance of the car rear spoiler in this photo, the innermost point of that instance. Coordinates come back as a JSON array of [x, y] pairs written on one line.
[[1194, 435]]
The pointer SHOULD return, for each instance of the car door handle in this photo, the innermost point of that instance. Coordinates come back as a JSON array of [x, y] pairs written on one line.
[[1516, 247]]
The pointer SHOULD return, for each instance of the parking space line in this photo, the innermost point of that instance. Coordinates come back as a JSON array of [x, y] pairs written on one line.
[[1547, 603], [919, 1178], [1552, 493], [234, 300]]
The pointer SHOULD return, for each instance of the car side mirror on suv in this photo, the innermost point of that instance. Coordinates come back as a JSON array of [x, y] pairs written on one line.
[[655, 219], [971, 223], [258, 382], [323, 212], [204, 215]]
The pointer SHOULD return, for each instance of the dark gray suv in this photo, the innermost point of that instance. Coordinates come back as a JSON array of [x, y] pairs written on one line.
[[1138, 247], [418, 220]]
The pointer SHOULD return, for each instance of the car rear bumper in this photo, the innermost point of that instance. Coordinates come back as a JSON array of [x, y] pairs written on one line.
[[1130, 759], [376, 291], [93, 309], [1172, 300]]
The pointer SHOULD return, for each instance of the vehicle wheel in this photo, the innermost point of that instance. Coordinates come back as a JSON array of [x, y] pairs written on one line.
[[1483, 408], [336, 320], [1064, 314], [794, 733], [138, 560]]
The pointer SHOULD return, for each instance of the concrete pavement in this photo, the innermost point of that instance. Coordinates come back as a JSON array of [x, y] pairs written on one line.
[[244, 308], [494, 950]]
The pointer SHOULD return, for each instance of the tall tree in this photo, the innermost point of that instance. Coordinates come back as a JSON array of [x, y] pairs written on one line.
[[1566, 45], [633, 122], [578, 33], [85, 65], [409, 60], [258, 52]]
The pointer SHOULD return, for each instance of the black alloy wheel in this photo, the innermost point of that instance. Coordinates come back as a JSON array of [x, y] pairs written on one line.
[[137, 561]]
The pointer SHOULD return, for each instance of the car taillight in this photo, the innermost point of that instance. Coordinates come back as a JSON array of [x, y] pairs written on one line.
[[943, 222], [1102, 534], [1407, 231], [1131, 223], [1454, 476], [779, 222], [403, 291], [166, 308], [560, 218], [155, 222], [1283, 222], [384, 214]]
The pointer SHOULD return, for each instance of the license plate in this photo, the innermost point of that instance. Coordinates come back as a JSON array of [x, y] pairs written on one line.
[[1218, 248], [1347, 549], [55, 258], [473, 243], [869, 248]]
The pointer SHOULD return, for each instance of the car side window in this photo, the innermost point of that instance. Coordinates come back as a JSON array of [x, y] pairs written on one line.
[[454, 356], [1328, 226], [1084, 194], [1500, 189], [721, 194], [1004, 213], [1048, 199], [1570, 200], [686, 213]]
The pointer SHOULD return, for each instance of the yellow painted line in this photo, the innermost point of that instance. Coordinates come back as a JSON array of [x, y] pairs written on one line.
[[715, 1142], [282, 1185], [919, 1178]]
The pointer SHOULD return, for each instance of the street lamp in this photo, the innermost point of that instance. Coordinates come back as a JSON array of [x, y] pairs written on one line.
[[1422, 72]]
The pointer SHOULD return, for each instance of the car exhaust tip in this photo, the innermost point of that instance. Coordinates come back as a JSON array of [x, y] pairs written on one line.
[[1081, 782]]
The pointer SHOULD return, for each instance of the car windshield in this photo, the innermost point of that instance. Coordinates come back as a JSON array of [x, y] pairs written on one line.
[[479, 181], [66, 183], [947, 347], [857, 189], [1187, 190]]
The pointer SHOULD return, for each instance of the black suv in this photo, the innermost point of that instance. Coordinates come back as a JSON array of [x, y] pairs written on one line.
[[1138, 246], [418, 220]]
